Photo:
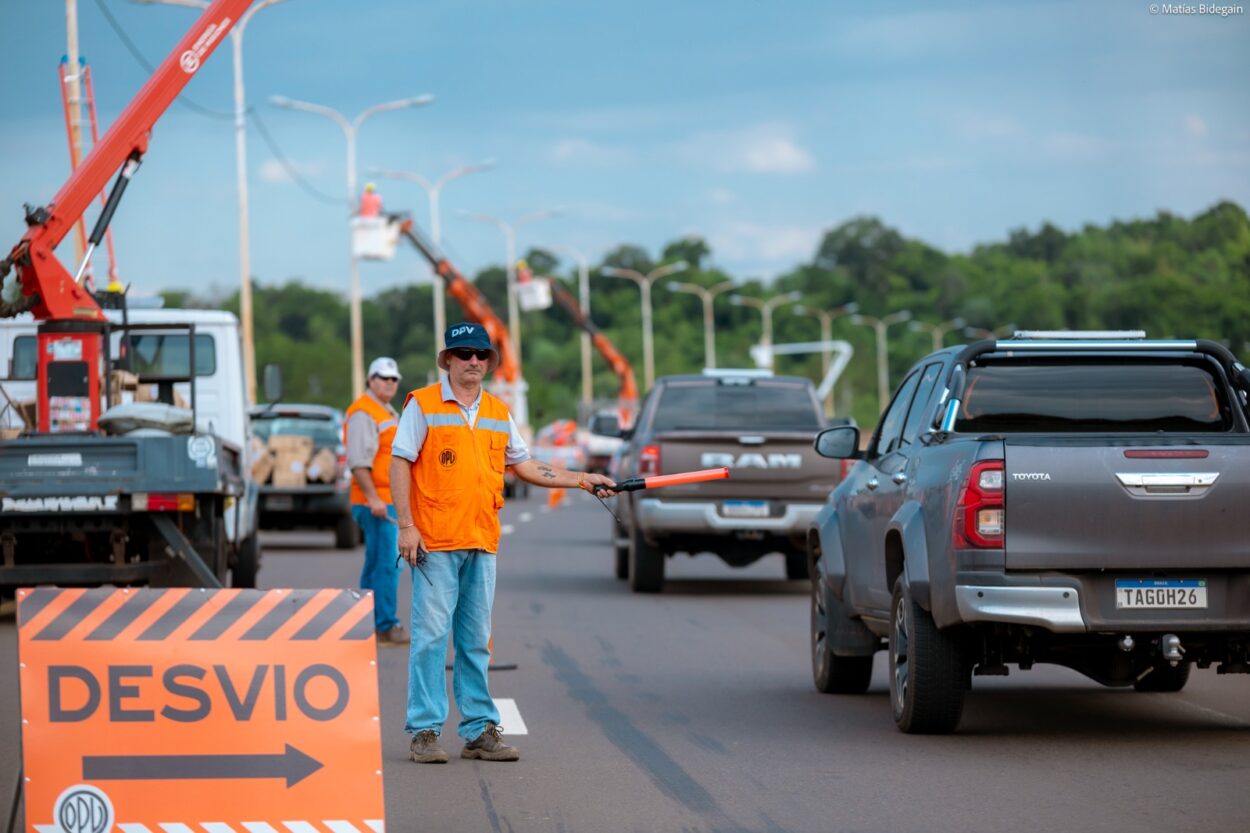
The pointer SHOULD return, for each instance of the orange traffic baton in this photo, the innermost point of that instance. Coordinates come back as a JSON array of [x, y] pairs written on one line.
[[658, 481]]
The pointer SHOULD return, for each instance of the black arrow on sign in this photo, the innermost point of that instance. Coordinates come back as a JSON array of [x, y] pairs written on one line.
[[293, 765]]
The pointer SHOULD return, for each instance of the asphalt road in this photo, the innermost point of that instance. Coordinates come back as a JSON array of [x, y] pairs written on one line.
[[694, 711]]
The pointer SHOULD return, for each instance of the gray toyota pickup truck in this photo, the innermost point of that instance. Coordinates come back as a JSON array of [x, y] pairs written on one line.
[[1061, 497], [757, 425]]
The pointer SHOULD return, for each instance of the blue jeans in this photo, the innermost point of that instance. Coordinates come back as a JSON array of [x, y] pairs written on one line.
[[459, 603], [380, 573]]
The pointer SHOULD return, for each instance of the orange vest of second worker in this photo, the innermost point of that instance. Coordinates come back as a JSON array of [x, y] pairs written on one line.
[[387, 425], [457, 480]]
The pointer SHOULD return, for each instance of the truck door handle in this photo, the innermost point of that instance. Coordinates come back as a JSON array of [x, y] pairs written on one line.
[[872, 483], [899, 477]]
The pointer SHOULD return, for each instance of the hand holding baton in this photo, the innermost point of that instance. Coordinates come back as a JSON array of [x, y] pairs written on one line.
[[658, 481]]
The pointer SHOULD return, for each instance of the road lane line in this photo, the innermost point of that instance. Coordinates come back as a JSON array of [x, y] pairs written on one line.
[[507, 529], [510, 716], [525, 517], [1231, 718]]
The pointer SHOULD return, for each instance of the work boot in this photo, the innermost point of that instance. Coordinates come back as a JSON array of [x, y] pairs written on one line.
[[489, 746], [424, 748], [395, 636]]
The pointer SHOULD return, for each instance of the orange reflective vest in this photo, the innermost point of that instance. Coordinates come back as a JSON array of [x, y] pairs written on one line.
[[381, 471], [457, 480]]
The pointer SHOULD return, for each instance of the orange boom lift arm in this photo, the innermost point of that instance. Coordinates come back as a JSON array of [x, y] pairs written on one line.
[[472, 301], [75, 327], [628, 392]]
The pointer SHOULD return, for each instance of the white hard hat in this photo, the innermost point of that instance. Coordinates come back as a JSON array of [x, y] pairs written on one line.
[[384, 366]]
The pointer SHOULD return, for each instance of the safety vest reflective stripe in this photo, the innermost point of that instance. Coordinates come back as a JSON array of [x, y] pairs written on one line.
[[484, 424], [381, 470]]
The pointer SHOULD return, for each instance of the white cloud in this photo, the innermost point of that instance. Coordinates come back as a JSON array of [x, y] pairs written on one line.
[[1075, 146], [987, 126], [764, 148], [722, 196], [271, 170], [586, 153], [782, 245], [1195, 126]]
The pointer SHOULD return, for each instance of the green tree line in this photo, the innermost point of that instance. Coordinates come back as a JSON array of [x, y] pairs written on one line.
[[1169, 276]]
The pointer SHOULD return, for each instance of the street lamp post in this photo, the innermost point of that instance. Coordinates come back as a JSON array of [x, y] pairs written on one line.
[[707, 294], [826, 335], [240, 148], [766, 308], [583, 301], [936, 331], [350, 129], [509, 234], [644, 283], [432, 192], [883, 372]]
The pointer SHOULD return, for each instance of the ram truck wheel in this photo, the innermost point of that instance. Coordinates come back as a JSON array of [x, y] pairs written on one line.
[[620, 551], [928, 669], [831, 673], [646, 564]]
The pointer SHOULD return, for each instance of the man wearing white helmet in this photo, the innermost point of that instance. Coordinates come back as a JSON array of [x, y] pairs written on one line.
[[368, 432]]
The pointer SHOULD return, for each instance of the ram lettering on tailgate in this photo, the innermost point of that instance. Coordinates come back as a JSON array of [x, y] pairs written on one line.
[[751, 460]]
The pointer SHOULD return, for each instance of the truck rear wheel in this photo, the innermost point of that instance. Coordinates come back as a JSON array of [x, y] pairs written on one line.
[[831, 673], [928, 669], [620, 551], [646, 564], [1165, 678], [246, 563], [346, 533], [796, 565]]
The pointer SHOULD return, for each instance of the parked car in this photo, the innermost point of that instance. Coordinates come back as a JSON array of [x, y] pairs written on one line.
[[1069, 498], [310, 485], [757, 425]]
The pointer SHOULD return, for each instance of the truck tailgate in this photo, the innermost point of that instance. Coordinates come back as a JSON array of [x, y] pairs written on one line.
[[1084, 505], [776, 466]]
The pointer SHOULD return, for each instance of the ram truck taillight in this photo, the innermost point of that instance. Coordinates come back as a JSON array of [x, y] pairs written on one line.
[[649, 461], [162, 502], [980, 520]]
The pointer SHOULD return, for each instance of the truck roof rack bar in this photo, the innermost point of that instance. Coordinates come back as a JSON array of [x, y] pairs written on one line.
[[1081, 335], [1108, 345], [746, 372]]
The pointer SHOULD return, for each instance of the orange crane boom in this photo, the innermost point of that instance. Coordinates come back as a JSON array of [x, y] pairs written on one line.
[[474, 304], [628, 393]]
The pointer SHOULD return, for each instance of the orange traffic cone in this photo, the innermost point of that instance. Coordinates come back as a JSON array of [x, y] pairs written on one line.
[[554, 497]]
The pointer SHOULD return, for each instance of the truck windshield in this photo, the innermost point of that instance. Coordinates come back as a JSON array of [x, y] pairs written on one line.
[[324, 431], [1177, 397], [760, 406]]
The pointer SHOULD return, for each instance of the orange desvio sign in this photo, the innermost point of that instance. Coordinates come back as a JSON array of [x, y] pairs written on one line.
[[187, 709]]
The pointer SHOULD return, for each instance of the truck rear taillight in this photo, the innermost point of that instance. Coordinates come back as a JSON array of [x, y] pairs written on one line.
[[162, 502], [649, 461], [981, 515]]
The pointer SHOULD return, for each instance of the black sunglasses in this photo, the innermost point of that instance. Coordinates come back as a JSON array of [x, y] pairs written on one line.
[[387, 378], [464, 354]]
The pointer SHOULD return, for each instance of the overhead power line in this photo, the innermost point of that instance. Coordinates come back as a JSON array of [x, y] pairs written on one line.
[[198, 109]]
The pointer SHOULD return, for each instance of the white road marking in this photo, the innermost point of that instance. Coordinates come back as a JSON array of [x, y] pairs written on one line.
[[525, 517], [507, 529], [510, 716], [544, 509], [1233, 719]]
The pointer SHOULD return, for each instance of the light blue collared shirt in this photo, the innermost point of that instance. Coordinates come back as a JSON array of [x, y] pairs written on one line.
[[413, 426]]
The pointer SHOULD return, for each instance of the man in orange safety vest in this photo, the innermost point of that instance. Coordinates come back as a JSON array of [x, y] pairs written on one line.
[[448, 460]]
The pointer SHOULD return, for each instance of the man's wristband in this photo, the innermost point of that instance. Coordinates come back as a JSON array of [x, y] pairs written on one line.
[[407, 526]]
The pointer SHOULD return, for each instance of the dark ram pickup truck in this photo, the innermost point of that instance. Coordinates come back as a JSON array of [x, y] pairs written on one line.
[[1070, 498], [758, 426]]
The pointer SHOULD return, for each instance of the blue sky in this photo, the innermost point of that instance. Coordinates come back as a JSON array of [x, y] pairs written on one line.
[[758, 125]]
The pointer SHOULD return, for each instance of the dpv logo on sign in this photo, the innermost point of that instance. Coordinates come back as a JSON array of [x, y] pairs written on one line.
[[149, 710]]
